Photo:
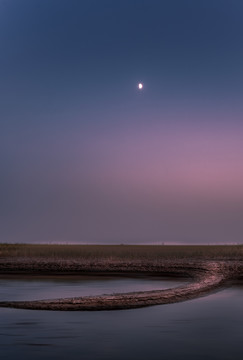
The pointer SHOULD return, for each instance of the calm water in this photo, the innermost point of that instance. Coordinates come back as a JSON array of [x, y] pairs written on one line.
[[205, 328], [46, 288]]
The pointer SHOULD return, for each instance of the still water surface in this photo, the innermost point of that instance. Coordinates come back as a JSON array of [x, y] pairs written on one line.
[[33, 288], [206, 328]]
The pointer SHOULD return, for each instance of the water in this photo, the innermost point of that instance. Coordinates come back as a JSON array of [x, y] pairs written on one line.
[[34, 288], [205, 328]]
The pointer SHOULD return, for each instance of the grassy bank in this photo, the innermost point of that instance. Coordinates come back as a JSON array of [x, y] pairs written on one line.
[[121, 252]]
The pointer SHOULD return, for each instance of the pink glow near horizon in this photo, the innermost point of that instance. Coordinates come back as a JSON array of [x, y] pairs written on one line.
[[197, 161], [170, 182]]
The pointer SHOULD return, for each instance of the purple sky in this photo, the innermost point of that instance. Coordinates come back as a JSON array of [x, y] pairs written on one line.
[[88, 158]]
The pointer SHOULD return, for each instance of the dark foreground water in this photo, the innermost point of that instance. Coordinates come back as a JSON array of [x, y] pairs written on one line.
[[205, 328]]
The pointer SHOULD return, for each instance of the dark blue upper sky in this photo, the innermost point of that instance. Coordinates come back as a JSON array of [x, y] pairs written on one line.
[[69, 104], [57, 55]]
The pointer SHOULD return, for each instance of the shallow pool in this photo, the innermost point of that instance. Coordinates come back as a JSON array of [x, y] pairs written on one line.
[[34, 288]]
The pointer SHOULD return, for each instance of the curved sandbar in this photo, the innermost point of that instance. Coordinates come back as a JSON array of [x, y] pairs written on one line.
[[206, 277]]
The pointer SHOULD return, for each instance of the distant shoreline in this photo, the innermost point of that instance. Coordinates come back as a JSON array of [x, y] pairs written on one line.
[[120, 252]]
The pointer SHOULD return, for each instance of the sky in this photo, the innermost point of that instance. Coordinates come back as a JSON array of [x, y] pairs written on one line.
[[86, 157]]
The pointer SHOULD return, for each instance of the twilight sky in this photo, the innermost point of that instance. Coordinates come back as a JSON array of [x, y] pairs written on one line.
[[85, 156]]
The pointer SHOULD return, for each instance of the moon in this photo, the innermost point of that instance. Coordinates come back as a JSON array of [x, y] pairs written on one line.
[[140, 86]]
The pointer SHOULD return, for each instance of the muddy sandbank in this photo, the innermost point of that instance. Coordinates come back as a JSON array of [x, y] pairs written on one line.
[[205, 276]]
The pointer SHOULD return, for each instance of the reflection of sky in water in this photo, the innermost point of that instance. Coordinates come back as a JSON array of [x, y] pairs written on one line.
[[33, 289], [207, 328]]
